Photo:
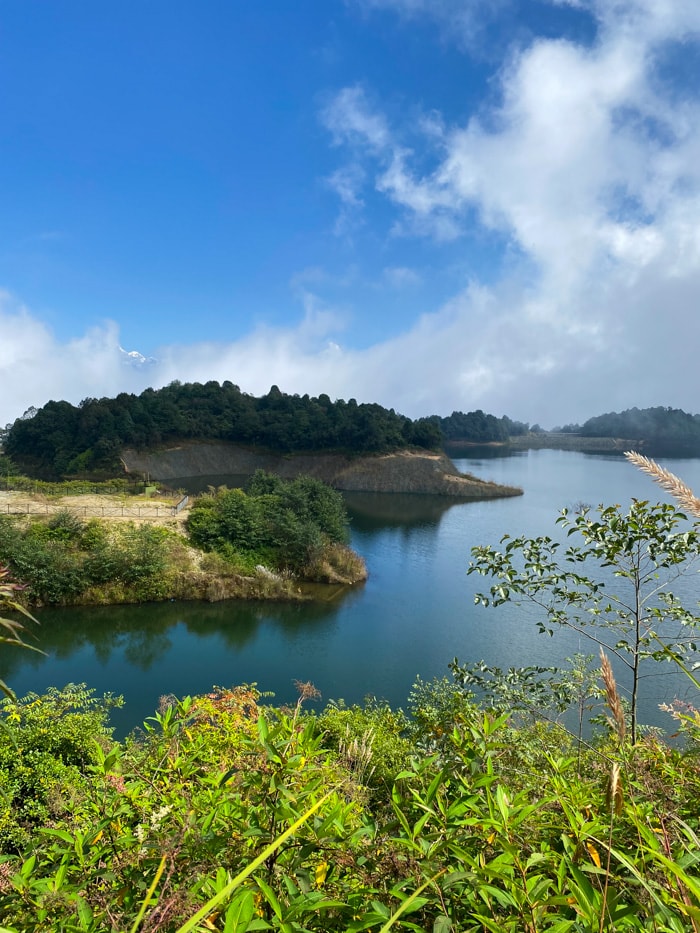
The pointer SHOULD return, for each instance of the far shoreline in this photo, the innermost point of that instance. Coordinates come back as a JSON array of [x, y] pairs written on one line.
[[550, 441]]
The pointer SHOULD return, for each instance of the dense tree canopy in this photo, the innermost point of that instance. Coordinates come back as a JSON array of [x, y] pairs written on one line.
[[62, 439], [287, 524], [660, 429], [478, 427]]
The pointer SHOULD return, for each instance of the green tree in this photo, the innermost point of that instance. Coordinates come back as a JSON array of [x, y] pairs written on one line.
[[61, 438], [624, 604], [291, 522]]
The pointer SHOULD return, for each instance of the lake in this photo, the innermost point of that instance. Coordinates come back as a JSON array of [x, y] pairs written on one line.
[[414, 614]]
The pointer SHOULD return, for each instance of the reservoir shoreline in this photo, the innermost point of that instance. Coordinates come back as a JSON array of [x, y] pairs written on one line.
[[417, 472]]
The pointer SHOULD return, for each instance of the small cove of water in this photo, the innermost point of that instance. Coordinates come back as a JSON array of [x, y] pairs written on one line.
[[415, 613]]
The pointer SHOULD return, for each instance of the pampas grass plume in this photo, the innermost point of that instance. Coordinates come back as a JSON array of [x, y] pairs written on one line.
[[683, 494]]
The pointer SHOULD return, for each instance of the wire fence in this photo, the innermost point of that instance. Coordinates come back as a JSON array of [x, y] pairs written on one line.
[[181, 504], [141, 512], [144, 512]]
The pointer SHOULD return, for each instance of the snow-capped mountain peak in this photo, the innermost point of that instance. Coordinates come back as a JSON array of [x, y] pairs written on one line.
[[134, 358]]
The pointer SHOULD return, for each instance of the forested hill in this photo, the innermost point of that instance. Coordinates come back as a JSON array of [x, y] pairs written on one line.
[[62, 439], [476, 427], [659, 429]]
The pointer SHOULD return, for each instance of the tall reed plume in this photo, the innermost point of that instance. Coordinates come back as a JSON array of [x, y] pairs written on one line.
[[683, 494], [617, 724]]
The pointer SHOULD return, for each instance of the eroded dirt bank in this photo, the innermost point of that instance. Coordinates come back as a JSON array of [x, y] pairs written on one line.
[[405, 471]]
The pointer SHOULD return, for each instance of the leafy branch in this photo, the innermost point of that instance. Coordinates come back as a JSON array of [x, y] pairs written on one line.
[[12, 630]]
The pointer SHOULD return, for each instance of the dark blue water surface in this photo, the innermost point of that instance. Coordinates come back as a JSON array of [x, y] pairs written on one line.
[[415, 613]]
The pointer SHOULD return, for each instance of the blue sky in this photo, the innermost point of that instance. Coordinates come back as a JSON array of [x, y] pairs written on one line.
[[432, 204]]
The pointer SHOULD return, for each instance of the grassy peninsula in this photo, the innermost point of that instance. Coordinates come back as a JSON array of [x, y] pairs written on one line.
[[263, 543]]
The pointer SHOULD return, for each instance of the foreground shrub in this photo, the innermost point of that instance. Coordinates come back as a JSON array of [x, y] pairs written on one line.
[[226, 815], [46, 747], [336, 563], [369, 740]]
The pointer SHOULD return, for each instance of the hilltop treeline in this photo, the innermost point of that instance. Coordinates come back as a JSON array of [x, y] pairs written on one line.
[[478, 427], [662, 429], [62, 439]]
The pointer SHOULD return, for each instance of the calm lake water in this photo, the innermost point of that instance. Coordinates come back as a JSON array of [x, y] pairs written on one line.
[[415, 613]]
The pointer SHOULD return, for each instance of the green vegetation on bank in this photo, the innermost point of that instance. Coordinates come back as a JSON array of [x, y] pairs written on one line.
[[659, 430], [476, 427], [61, 439], [224, 815], [262, 544], [12, 478], [227, 815], [299, 526], [62, 560]]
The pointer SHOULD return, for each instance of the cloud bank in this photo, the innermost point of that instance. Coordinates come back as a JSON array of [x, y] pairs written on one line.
[[588, 172]]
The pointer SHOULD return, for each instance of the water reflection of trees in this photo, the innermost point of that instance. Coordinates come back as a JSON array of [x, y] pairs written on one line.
[[236, 627], [145, 647], [370, 511], [144, 634]]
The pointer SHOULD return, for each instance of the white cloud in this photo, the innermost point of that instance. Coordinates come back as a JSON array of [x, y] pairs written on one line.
[[353, 123], [320, 320], [505, 350], [579, 132], [367, 134], [35, 367], [460, 21], [650, 20], [351, 119], [401, 277], [347, 183], [589, 169], [463, 20]]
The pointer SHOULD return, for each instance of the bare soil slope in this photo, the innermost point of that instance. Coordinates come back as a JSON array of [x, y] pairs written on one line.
[[405, 471]]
